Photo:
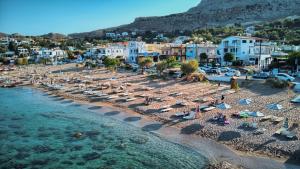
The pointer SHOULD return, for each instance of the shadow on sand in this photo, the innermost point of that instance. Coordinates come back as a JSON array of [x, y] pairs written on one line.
[[112, 113], [191, 129], [95, 108], [229, 135], [132, 119], [152, 127]]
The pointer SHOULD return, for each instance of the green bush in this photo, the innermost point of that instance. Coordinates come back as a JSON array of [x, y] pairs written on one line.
[[189, 67], [276, 83]]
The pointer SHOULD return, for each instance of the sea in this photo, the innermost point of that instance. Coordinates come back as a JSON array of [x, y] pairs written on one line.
[[38, 130]]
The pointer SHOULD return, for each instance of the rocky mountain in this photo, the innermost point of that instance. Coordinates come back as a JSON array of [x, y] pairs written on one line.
[[211, 13]]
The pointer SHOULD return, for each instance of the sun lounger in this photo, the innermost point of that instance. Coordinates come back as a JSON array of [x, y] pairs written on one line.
[[269, 117], [130, 99], [209, 108], [278, 119], [191, 116], [112, 97], [260, 131], [166, 109], [166, 106], [124, 94], [179, 114]]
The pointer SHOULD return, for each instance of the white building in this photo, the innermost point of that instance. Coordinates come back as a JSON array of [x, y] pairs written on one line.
[[181, 39], [124, 34], [112, 51], [193, 51], [52, 54], [110, 35], [23, 50], [248, 50], [290, 48], [133, 48]]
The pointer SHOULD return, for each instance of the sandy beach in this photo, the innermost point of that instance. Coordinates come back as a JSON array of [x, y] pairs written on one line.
[[239, 146]]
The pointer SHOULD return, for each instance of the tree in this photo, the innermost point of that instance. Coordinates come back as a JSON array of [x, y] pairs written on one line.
[[111, 63], [189, 67], [70, 54], [171, 61], [294, 59], [228, 57], [12, 47], [161, 66], [3, 49], [203, 56], [145, 62]]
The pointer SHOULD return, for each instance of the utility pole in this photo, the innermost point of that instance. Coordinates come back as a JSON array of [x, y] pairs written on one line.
[[259, 66]]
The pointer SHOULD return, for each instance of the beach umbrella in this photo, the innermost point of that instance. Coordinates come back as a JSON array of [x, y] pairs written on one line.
[[274, 106], [245, 101], [223, 106]]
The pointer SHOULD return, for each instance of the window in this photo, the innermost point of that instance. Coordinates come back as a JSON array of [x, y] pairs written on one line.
[[225, 50], [251, 41], [244, 41]]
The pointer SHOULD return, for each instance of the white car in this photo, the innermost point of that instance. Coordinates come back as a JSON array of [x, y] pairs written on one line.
[[201, 71], [205, 68], [296, 87], [224, 69], [233, 73], [284, 77]]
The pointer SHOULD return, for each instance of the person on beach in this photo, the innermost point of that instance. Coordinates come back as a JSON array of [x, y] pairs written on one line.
[[222, 98]]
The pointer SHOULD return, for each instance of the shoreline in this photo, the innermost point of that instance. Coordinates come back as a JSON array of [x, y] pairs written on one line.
[[215, 152], [76, 83]]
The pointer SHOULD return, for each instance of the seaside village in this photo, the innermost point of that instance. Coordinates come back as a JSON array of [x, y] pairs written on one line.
[[241, 91]]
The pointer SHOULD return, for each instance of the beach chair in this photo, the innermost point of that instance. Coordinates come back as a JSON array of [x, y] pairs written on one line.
[[191, 116], [166, 110], [210, 108], [260, 131], [180, 114], [165, 106], [130, 99]]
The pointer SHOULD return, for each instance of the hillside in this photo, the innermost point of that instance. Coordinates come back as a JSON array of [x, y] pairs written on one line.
[[54, 36], [211, 13]]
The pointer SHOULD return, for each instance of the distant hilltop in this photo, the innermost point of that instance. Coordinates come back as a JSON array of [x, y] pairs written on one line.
[[209, 13]]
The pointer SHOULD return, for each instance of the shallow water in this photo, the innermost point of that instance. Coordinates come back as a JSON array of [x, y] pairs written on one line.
[[41, 131]]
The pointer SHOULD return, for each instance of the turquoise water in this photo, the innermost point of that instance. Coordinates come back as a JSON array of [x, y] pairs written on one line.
[[41, 131]]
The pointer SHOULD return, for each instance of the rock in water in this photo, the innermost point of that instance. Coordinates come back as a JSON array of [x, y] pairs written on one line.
[[91, 156], [78, 135]]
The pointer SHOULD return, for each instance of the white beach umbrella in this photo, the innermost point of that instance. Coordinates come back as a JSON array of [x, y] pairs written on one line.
[[245, 101], [223, 106], [274, 106]]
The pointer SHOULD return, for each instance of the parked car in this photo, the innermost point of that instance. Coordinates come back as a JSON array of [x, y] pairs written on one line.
[[261, 75], [224, 69], [177, 75], [233, 73], [215, 71], [297, 74], [201, 71], [205, 68], [285, 77], [296, 86]]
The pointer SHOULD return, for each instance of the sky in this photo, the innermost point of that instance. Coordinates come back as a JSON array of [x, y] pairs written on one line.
[[37, 17]]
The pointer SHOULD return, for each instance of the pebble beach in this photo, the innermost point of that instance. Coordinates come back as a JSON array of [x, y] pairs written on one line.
[[128, 91]]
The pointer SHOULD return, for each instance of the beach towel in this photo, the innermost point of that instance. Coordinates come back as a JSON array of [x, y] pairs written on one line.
[[274, 107], [223, 106], [245, 101]]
